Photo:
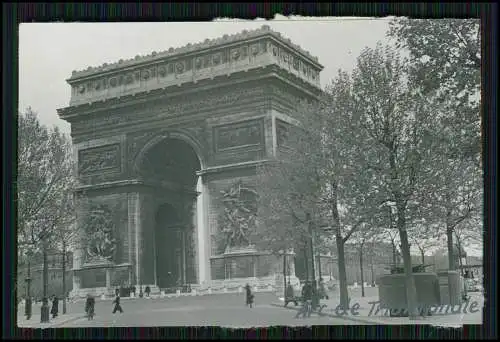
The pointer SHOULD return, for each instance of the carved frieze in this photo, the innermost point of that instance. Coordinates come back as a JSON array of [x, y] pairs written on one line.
[[245, 134], [209, 101], [99, 159], [162, 70], [175, 62], [178, 107]]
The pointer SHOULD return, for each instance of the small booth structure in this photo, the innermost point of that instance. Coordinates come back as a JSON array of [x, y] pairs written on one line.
[[433, 289]]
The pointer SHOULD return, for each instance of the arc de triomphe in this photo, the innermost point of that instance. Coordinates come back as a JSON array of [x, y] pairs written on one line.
[[160, 138]]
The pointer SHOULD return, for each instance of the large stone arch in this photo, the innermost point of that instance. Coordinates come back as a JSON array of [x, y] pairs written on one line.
[[179, 134], [229, 100]]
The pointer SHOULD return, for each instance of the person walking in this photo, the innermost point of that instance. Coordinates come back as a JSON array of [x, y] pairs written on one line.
[[147, 290], [90, 306], [249, 295], [117, 305], [306, 301], [55, 306], [289, 295], [322, 290]]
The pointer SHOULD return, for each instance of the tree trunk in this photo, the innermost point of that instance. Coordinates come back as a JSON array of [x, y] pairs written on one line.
[[344, 295], [311, 249], [422, 256], [44, 310], [284, 276], [411, 291], [394, 256], [306, 262], [361, 269], [64, 278], [449, 240], [373, 272], [459, 245], [45, 271]]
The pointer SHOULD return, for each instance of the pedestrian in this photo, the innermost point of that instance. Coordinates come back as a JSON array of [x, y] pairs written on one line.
[[117, 305], [55, 306], [147, 291], [322, 290], [90, 306], [289, 295], [306, 301], [249, 295]]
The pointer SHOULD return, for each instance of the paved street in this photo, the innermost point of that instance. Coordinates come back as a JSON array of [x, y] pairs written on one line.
[[227, 310]]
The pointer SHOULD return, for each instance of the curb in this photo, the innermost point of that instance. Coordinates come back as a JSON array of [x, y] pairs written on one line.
[[65, 321], [346, 317], [51, 324]]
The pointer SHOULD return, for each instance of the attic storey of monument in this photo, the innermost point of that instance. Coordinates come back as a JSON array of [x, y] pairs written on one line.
[[159, 138]]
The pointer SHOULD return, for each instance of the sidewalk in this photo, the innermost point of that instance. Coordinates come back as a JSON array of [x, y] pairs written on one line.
[[365, 310], [34, 321]]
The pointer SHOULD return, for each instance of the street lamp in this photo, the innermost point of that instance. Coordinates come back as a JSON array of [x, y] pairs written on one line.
[[311, 249], [44, 310], [64, 258], [28, 287]]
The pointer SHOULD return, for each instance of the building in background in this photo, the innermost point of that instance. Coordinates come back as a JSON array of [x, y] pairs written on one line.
[[377, 260], [55, 272]]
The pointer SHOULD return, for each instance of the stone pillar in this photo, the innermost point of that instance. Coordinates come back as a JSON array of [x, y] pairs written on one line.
[[147, 245], [202, 230], [135, 236], [183, 257], [108, 279], [77, 264], [138, 240], [270, 135], [155, 275], [254, 264]]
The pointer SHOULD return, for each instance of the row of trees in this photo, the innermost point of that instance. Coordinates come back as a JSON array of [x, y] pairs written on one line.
[[45, 212], [394, 145]]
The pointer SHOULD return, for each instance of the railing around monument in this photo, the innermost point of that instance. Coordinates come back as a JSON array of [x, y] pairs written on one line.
[[102, 277], [240, 266]]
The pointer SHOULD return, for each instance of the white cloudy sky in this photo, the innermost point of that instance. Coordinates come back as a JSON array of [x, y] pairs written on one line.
[[49, 52]]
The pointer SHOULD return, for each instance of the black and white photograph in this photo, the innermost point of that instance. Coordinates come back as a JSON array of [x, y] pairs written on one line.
[[299, 171]]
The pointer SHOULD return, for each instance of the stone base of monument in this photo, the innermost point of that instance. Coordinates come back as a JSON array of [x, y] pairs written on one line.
[[94, 291]]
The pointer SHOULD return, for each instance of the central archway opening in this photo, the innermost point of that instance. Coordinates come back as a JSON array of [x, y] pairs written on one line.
[[170, 166]]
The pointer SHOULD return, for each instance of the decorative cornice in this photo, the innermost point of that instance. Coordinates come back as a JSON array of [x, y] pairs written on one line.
[[214, 59], [197, 47], [231, 167]]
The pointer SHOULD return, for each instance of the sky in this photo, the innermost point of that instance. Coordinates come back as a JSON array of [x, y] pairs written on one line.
[[49, 52]]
